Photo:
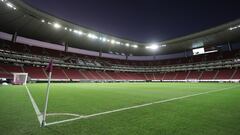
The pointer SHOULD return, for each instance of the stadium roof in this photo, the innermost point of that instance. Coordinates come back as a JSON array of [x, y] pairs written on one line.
[[17, 16]]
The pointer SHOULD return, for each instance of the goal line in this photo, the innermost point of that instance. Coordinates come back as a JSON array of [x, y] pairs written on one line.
[[35, 107]]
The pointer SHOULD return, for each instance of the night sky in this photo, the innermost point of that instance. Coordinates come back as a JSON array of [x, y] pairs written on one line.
[[143, 20]]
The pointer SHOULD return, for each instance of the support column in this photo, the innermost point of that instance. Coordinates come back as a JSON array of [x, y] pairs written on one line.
[[127, 56], [185, 52], [154, 57], [100, 53], [65, 46], [14, 37], [229, 46]]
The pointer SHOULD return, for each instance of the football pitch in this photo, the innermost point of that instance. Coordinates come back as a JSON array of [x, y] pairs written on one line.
[[123, 109]]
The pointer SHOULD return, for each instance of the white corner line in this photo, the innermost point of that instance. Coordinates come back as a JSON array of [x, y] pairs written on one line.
[[63, 114], [137, 106], [36, 109]]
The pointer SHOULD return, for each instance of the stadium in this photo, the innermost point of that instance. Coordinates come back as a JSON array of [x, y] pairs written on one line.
[[61, 78]]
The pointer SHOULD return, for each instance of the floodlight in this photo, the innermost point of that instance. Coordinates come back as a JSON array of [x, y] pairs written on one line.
[[78, 32], [104, 39], [118, 43], [163, 45], [233, 28], [153, 47], [70, 30], [113, 41], [56, 25], [127, 44], [92, 36], [135, 46], [43, 21], [10, 5]]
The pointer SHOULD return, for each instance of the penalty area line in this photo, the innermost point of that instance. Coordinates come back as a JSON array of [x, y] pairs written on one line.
[[36, 109], [137, 106]]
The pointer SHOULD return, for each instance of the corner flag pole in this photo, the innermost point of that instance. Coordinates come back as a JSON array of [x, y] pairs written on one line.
[[49, 70]]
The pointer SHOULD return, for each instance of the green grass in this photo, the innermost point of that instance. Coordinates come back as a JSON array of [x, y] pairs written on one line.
[[209, 114]]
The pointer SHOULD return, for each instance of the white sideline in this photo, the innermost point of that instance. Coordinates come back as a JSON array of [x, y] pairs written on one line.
[[38, 113], [63, 114], [137, 106]]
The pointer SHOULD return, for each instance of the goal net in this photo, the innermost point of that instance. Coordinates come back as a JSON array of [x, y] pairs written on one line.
[[20, 78]]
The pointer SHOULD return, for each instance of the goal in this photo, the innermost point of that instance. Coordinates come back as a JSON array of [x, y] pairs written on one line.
[[20, 78]]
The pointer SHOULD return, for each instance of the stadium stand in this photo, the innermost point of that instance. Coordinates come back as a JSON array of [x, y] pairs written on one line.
[[22, 58], [194, 75], [74, 74], [182, 75], [159, 76], [35, 72], [225, 74], [209, 75], [170, 76], [18, 57], [236, 74], [58, 73]]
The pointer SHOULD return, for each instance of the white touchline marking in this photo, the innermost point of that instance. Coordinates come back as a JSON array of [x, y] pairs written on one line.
[[137, 106], [38, 113], [63, 114]]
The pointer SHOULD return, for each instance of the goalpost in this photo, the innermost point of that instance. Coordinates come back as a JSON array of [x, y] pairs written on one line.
[[20, 78]]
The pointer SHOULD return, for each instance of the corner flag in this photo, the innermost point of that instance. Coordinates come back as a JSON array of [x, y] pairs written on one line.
[[49, 67], [49, 70]]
